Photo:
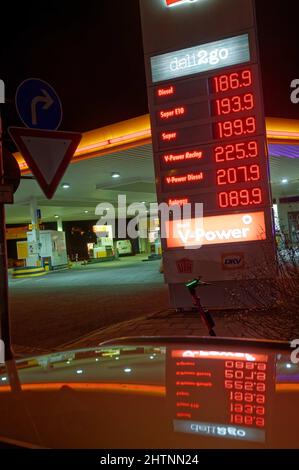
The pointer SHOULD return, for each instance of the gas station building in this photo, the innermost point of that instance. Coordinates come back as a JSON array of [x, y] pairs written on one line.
[[118, 159]]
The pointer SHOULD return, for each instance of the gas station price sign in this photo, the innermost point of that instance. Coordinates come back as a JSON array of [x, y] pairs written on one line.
[[208, 124]]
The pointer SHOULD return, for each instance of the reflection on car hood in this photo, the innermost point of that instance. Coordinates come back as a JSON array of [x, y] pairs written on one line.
[[154, 393]]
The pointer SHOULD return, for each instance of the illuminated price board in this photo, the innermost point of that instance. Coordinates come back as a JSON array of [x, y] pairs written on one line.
[[226, 160], [208, 126]]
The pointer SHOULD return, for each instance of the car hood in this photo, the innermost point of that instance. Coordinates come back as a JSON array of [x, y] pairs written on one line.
[[154, 393]]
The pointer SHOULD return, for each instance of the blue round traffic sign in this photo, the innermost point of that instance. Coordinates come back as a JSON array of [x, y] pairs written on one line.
[[38, 105]]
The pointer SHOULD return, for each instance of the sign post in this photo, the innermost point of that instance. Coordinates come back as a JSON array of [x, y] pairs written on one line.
[[47, 153], [209, 141], [4, 307]]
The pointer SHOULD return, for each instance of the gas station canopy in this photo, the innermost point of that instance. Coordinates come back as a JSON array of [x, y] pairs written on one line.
[[118, 159]]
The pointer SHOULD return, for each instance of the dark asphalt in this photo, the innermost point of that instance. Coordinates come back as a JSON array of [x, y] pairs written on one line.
[[61, 307]]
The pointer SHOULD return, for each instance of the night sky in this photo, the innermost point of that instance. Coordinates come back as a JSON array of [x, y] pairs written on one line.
[[91, 53]]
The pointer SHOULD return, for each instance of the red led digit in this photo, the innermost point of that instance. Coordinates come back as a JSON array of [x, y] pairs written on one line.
[[249, 409], [238, 127], [238, 385], [260, 422], [239, 365], [248, 386], [238, 419], [248, 420], [249, 397], [260, 399], [234, 199], [252, 149], [236, 104], [261, 376], [238, 396], [234, 80], [257, 196], [221, 177], [229, 374], [228, 384], [260, 410], [248, 101], [219, 154], [229, 364], [246, 78], [261, 387], [249, 365], [239, 374], [223, 200], [232, 175], [238, 408], [244, 197], [240, 151], [251, 125]]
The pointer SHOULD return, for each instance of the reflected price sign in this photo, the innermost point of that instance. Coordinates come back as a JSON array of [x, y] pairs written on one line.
[[220, 394], [207, 115]]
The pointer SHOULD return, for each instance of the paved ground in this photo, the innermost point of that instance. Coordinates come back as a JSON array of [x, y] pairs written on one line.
[[228, 324], [60, 307], [88, 305]]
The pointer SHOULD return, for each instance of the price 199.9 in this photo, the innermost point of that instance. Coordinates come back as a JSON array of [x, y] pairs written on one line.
[[235, 128]]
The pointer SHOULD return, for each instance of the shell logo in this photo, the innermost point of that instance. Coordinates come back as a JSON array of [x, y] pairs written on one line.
[[185, 266], [173, 3]]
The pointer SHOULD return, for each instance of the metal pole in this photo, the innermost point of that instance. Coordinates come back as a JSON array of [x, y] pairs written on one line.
[[4, 306]]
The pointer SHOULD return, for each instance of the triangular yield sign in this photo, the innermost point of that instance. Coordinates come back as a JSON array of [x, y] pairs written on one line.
[[47, 153]]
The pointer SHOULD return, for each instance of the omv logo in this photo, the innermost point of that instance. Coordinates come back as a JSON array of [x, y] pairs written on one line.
[[173, 3]]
